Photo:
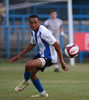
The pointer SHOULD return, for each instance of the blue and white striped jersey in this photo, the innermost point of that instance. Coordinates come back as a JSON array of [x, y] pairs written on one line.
[[45, 40]]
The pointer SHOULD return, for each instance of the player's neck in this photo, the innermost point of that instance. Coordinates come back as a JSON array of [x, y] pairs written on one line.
[[37, 30], [53, 18]]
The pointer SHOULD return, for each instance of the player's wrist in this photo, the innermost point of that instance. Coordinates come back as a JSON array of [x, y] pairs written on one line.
[[62, 62], [63, 34]]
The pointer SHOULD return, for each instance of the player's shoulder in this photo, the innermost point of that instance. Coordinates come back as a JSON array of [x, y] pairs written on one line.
[[58, 19], [42, 28]]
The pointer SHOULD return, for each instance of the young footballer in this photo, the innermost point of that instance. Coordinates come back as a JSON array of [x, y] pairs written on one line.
[[48, 51]]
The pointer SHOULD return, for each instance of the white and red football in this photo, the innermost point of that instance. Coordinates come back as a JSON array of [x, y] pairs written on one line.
[[72, 50]]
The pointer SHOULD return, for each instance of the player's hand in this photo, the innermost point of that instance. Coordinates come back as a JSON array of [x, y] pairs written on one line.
[[65, 36], [64, 67], [15, 58]]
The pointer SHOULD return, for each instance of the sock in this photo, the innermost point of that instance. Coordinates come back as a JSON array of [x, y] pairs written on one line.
[[38, 85], [56, 66], [27, 75]]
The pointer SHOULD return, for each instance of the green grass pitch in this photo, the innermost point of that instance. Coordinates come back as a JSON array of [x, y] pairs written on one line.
[[71, 85]]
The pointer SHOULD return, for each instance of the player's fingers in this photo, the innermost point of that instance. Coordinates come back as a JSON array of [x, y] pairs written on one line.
[[66, 69], [12, 60]]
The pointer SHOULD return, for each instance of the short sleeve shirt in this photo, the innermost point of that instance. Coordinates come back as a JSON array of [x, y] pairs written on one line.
[[45, 40]]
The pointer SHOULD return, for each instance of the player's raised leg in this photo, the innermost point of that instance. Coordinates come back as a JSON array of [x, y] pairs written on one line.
[[28, 73], [31, 69]]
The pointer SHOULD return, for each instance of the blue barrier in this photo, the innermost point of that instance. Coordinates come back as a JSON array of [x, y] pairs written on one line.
[[18, 43], [81, 16], [7, 41], [23, 38], [23, 26]]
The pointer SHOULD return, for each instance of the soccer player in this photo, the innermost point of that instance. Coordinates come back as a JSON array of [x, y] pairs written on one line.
[[49, 48], [55, 25]]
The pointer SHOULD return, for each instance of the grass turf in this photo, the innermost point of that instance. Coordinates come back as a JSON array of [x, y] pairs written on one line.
[[71, 85]]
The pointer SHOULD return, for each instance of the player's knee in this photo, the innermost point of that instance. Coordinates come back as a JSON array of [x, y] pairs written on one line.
[[29, 65]]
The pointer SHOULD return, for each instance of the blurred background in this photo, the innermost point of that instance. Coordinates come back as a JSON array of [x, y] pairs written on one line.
[[15, 36], [15, 29]]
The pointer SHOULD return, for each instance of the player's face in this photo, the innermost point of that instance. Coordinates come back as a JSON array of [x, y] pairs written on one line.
[[53, 15], [34, 23]]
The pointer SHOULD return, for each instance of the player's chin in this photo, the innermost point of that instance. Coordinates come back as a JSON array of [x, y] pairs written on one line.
[[33, 28]]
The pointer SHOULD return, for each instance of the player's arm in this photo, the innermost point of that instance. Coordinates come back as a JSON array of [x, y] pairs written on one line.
[[29, 48], [62, 29], [59, 52], [46, 24], [62, 32], [50, 39]]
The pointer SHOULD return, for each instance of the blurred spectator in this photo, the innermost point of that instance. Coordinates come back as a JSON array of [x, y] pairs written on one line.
[[55, 26], [2, 13]]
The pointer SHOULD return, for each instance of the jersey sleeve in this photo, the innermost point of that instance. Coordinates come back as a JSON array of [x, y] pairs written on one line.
[[48, 37], [46, 23], [61, 22]]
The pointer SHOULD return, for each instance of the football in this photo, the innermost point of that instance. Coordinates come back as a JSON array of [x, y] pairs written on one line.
[[71, 50]]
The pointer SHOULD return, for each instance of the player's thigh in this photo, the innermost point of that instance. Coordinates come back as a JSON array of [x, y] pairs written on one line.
[[36, 63]]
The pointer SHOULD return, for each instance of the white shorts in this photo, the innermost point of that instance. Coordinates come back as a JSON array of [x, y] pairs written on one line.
[[43, 62]]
